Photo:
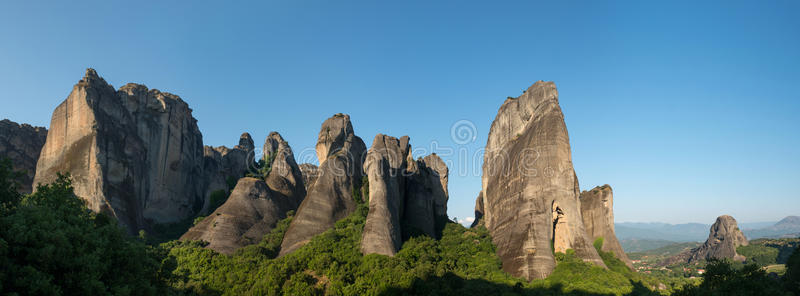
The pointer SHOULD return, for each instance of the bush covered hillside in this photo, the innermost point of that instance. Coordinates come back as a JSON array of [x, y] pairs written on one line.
[[50, 244]]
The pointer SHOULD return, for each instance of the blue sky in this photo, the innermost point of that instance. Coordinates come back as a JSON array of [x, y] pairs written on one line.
[[689, 110]]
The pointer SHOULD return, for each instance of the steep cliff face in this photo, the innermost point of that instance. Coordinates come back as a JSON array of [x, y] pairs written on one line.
[[385, 167], [530, 191], [406, 197], [223, 166], [22, 143], [135, 154], [597, 209], [310, 173], [426, 197], [329, 199], [723, 239]]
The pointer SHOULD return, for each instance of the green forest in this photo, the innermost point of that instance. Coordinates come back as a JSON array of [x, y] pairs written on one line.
[[51, 244]]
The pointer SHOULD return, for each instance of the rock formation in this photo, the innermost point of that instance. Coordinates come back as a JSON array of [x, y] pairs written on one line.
[[340, 153], [530, 191], [255, 205], [406, 197], [425, 209], [22, 145], [251, 211], [722, 241], [310, 173], [135, 153], [223, 166], [385, 167], [478, 210], [597, 209]]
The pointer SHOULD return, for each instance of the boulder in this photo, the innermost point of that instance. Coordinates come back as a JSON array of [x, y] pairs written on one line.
[[22, 143], [530, 190], [135, 154], [597, 209], [251, 211], [330, 198], [385, 167]]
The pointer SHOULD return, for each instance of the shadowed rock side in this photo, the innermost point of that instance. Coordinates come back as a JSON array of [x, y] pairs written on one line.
[[310, 173], [255, 205], [135, 154], [385, 167], [597, 209], [406, 197], [329, 199], [22, 143], [478, 210], [223, 166], [251, 211], [723, 238], [530, 191], [426, 197], [285, 176]]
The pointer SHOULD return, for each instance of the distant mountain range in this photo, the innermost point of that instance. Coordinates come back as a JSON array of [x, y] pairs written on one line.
[[638, 236]]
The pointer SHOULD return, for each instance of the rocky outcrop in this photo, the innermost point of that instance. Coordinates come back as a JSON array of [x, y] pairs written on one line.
[[256, 204], [340, 153], [223, 166], [406, 197], [251, 211], [310, 173], [530, 190], [22, 143], [385, 167], [723, 239], [134, 153], [478, 210], [597, 209], [425, 210]]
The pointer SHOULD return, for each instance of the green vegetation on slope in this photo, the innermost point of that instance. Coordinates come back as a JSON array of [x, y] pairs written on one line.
[[51, 244]]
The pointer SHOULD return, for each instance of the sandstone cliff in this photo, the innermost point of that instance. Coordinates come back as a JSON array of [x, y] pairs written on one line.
[[597, 209], [340, 153], [135, 153], [223, 166], [530, 191], [22, 143]]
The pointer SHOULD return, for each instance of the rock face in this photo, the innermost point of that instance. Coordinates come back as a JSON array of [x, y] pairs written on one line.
[[385, 167], [255, 205], [22, 145], [340, 153], [478, 210], [722, 241], [426, 197], [135, 154], [251, 211], [223, 166], [310, 173], [597, 209], [530, 190], [406, 197]]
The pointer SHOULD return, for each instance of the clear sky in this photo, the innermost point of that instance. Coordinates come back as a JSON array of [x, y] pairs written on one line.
[[688, 110]]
